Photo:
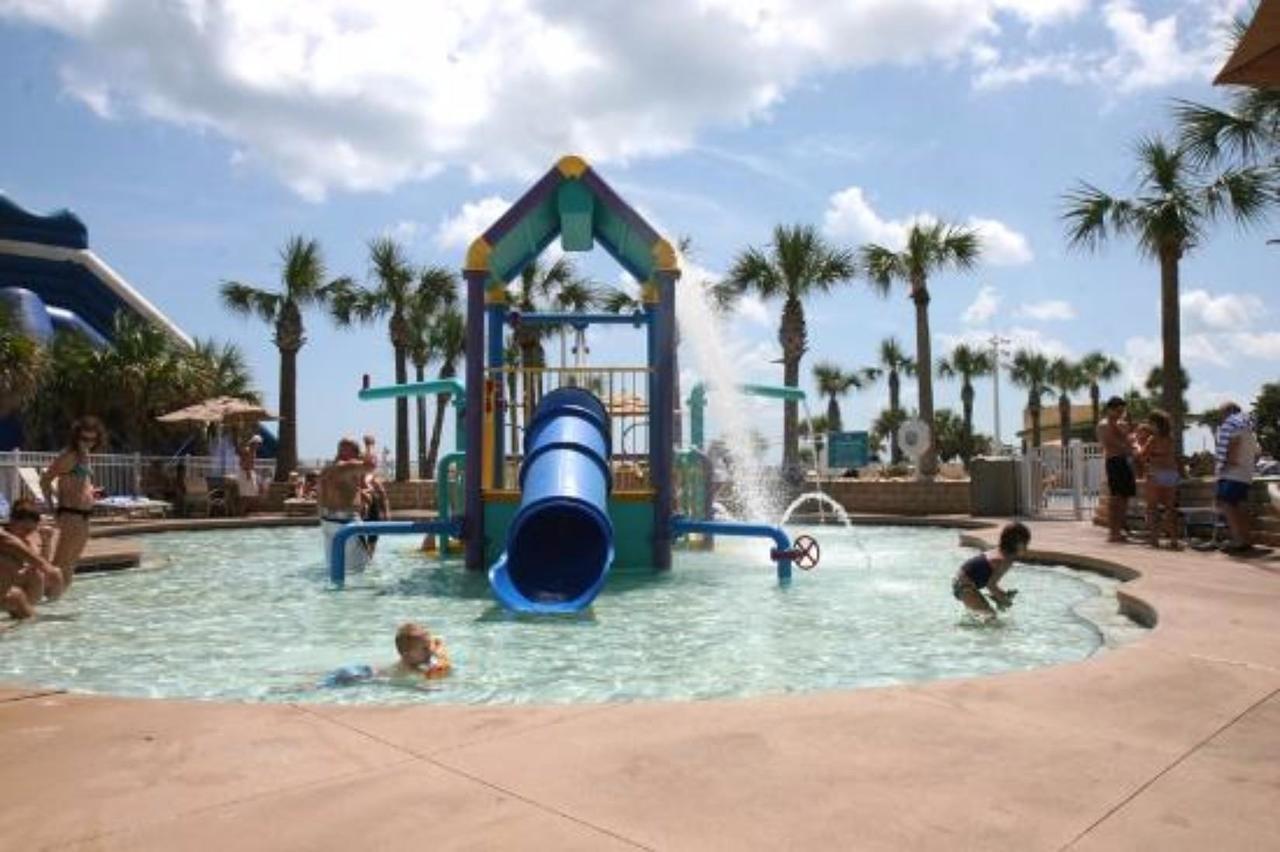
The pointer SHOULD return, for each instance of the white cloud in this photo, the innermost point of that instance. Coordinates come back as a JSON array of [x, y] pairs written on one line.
[[406, 230], [1202, 311], [1144, 52], [471, 221], [983, 307], [1018, 337], [1051, 309], [849, 215], [344, 94], [1264, 345], [1001, 245]]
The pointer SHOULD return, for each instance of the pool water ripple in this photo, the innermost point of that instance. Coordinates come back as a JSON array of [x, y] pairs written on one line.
[[249, 615]]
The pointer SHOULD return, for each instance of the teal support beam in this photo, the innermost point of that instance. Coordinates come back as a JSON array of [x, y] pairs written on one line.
[[774, 392], [440, 387], [697, 416], [444, 505], [576, 206]]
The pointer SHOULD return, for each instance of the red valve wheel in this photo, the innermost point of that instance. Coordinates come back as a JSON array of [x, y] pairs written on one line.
[[807, 552]]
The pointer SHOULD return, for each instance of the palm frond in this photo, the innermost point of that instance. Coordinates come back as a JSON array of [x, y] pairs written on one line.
[[882, 266], [250, 301]]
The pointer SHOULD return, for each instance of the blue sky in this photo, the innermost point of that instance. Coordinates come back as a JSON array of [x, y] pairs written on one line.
[[194, 138]]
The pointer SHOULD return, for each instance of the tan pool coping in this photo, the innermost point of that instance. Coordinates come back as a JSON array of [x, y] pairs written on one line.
[[1172, 742]]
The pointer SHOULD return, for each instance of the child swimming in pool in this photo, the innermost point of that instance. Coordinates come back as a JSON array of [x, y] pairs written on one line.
[[986, 570], [421, 656]]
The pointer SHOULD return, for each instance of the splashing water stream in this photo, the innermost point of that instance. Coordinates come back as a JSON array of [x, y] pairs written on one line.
[[703, 331]]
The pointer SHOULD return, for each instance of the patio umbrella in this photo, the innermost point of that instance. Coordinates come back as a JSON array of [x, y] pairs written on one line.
[[1256, 59], [219, 410]]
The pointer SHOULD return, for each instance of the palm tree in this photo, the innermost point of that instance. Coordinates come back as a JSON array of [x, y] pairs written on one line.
[[885, 428], [576, 296], [1031, 371], [538, 284], [448, 344], [1097, 367], [391, 295], [224, 370], [22, 366], [1067, 377], [834, 383], [1168, 217], [302, 284], [931, 247], [437, 290], [894, 363], [796, 264], [967, 363]]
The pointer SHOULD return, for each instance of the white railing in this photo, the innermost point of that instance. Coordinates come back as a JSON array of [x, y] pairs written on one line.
[[119, 474], [1057, 481]]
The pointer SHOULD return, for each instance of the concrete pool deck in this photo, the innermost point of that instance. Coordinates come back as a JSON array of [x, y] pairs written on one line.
[[1172, 742]]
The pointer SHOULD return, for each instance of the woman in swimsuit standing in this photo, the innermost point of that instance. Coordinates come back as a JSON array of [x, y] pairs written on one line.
[[74, 477], [987, 569], [1158, 454]]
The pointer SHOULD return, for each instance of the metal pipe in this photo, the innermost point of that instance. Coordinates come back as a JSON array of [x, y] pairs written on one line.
[[683, 526], [338, 549], [637, 318], [441, 387], [444, 509]]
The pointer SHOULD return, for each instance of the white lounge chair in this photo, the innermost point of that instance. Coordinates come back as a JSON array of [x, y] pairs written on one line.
[[30, 479]]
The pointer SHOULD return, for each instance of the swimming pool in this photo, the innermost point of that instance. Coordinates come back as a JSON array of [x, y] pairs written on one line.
[[249, 615]]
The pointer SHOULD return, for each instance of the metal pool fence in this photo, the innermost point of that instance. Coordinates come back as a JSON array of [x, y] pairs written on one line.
[[1060, 482]]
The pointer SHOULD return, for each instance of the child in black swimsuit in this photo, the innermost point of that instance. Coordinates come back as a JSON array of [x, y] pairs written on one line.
[[985, 571]]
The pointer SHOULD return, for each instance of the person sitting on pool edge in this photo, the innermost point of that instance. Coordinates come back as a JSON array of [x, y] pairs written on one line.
[[987, 569], [26, 577], [421, 656]]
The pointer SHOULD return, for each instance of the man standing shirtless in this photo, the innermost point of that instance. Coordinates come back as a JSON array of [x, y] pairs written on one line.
[[342, 499], [1113, 435]]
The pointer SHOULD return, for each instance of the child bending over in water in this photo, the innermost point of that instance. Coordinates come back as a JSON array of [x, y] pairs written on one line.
[[985, 571], [421, 656]]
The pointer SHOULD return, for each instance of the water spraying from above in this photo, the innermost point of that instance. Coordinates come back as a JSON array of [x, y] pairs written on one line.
[[702, 330]]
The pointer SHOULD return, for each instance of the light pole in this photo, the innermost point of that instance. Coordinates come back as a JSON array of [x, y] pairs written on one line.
[[997, 349]]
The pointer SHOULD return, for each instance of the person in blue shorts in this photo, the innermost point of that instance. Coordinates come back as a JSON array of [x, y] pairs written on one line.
[[986, 570], [1235, 458]]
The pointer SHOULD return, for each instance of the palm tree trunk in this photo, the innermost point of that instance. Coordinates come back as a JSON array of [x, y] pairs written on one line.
[[966, 440], [792, 338], [1095, 399], [287, 454], [895, 453], [1171, 339], [402, 418], [833, 415], [1064, 420], [928, 465], [424, 470], [1033, 405]]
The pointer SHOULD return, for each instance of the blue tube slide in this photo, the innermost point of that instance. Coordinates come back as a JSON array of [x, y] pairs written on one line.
[[560, 541]]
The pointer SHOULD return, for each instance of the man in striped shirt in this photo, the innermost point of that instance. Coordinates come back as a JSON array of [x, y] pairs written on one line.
[[1236, 456]]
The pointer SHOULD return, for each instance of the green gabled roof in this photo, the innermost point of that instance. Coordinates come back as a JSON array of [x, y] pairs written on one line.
[[574, 203]]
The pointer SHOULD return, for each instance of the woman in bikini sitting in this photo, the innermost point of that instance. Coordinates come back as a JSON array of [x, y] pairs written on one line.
[[73, 475]]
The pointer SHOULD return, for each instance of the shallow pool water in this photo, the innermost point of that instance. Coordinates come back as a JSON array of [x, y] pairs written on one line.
[[250, 615]]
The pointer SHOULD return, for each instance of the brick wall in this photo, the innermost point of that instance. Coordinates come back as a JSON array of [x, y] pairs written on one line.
[[889, 497]]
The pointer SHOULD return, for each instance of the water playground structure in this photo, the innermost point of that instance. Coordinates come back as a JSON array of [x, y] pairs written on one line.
[[566, 473]]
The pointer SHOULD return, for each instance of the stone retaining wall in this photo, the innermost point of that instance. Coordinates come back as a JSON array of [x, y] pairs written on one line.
[[894, 497]]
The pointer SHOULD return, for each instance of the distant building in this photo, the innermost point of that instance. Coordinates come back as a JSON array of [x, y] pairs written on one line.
[[1082, 425]]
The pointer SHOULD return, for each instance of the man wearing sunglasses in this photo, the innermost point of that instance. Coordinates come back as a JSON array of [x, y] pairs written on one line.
[[26, 577]]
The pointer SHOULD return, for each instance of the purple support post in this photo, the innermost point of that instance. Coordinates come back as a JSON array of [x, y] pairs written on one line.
[[662, 409], [473, 523]]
